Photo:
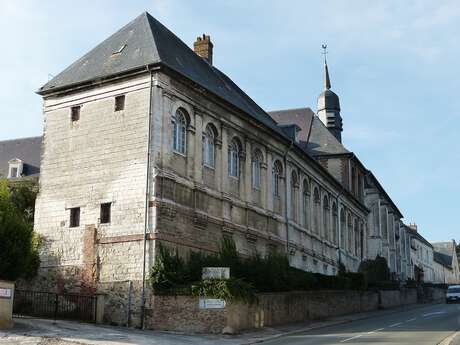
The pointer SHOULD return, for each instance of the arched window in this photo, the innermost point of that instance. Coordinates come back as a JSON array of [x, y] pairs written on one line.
[[335, 223], [343, 228], [277, 173], [350, 233], [180, 131], [256, 167], [317, 211], [234, 158], [294, 188], [306, 204], [208, 146], [326, 215], [356, 237]]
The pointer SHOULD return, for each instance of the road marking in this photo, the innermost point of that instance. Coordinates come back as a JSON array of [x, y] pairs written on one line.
[[356, 336], [410, 320], [434, 313], [396, 324], [375, 331]]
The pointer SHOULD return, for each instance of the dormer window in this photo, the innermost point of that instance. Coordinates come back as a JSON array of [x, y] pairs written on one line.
[[15, 168]]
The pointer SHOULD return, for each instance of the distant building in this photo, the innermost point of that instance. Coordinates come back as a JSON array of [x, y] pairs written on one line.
[[421, 256], [20, 158], [446, 268]]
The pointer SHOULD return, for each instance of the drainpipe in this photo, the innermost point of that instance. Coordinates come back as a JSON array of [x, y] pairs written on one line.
[[286, 217], [147, 200], [339, 235]]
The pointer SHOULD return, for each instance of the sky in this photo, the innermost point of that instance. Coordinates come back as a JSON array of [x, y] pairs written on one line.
[[393, 64]]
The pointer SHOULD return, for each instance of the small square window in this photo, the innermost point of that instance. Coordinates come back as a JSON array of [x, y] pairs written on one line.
[[14, 172], [120, 103], [75, 217], [106, 212], [75, 113]]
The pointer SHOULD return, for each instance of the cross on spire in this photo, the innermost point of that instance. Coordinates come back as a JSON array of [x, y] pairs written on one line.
[[324, 46]]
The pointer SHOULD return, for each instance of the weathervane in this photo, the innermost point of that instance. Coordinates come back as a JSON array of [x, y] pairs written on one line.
[[324, 46]]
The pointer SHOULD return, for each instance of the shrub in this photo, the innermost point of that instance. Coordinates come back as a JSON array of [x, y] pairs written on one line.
[[375, 270], [233, 289]]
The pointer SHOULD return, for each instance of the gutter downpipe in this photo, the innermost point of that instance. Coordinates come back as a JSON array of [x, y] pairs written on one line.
[[147, 199], [286, 218], [339, 239]]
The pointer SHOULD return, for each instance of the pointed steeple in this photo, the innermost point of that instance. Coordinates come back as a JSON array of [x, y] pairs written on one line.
[[328, 106], [327, 81]]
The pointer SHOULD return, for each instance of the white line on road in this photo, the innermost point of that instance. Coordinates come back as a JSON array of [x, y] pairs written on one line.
[[434, 313], [356, 336], [396, 324], [410, 320], [376, 330]]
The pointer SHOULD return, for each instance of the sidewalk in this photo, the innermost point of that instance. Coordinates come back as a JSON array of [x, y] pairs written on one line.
[[46, 332]]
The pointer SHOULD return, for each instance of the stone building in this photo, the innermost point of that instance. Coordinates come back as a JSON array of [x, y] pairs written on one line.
[[421, 255], [147, 143], [445, 263], [20, 158]]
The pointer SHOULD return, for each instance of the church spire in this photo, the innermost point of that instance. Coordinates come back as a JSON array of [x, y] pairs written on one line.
[[328, 105]]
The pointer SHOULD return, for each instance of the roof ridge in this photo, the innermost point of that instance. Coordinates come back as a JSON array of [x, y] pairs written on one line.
[[22, 138], [289, 109]]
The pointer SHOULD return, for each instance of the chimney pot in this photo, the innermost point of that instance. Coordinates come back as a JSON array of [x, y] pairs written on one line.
[[203, 47]]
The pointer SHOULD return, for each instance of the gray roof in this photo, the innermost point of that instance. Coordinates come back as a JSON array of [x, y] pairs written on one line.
[[443, 259], [447, 248], [314, 135], [147, 42], [26, 149], [416, 234]]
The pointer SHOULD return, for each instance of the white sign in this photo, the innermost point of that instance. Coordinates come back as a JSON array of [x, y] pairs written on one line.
[[216, 273], [211, 303], [5, 293]]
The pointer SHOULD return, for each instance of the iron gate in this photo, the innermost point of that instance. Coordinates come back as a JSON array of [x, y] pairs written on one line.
[[55, 306]]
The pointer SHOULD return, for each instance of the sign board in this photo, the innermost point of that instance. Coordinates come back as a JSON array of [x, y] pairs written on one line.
[[216, 273], [5, 293], [211, 303]]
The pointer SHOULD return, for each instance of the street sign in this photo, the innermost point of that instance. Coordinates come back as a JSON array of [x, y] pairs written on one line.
[[216, 273], [211, 303], [5, 293]]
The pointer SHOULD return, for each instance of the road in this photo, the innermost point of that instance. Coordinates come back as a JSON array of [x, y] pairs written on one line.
[[428, 325]]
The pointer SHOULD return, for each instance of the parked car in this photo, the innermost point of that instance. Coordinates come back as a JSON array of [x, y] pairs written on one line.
[[453, 294]]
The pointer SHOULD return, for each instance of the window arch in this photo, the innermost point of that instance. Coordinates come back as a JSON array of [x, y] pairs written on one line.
[[294, 188], [256, 167], [326, 217], [277, 174], [343, 230], [306, 203], [335, 223], [317, 210], [180, 131], [234, 149], [208, 147]]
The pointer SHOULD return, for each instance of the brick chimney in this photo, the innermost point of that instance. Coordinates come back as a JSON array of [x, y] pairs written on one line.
[[203, 47], [413, 226]]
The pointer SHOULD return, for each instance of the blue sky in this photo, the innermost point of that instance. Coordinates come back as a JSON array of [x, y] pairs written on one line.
[[393, 64]]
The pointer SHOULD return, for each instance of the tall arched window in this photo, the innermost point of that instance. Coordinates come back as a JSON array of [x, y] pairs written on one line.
[[306, 204], [317, 211], [234, 158], [294, 188], [350, 233], [335, 223], [343, 228], [256, 167], [356, 237], [277, 174], [326, 209], [180, 131], [208, 146]]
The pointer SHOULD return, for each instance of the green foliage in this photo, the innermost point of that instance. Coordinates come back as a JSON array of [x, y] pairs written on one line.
[[23, 195], [233, 289], [375, 270], [18, 244], [171, 274]]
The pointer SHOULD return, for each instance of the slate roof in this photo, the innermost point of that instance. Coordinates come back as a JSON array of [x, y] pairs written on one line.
[[443, 259], [26, 149], [417, 235], [314, 135], [147, 42], [446, 248]]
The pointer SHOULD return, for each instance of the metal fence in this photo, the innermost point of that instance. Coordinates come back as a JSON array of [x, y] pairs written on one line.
[[55, 306]]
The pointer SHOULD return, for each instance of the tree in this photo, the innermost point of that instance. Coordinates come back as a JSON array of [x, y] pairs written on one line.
[[18, 243], [458, 253], [376, 271]]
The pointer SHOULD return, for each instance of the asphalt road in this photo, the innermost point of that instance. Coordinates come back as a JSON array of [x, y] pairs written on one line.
[[428, 325]]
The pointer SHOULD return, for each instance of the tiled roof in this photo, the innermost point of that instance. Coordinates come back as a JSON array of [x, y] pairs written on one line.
[[26, 149]]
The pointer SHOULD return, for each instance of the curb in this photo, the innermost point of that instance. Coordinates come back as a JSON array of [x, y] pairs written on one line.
[[450, 339], [340, 322]]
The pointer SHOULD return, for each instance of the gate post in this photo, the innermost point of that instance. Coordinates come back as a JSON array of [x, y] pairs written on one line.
[[56, 305], [6, 304], [100, 300]]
